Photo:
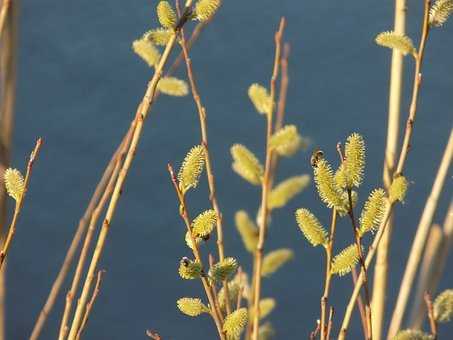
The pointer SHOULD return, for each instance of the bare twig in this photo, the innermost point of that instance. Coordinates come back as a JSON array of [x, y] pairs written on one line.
[[88, 238], [12, 228], [265, 187], [90, 304], [328, 276], [153, 335], [436, 267], [3, 13], [432, 319], [420, 239], [393, 126], [330, 323]]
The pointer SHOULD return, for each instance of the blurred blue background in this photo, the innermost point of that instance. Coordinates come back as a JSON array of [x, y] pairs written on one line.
[[79, 85]]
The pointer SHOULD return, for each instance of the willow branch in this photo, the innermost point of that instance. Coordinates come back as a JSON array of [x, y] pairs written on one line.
[[215, 312], [82, 225], [266, 186], [96, 290], [324, 329], [142, 113], [435, 268], [381, 268], [56, 286], [19, 204], [202, 115], [403, 156], [87, 242]]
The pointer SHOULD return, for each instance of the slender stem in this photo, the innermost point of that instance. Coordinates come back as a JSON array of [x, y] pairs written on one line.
[[358, 243], [96, 290], [432, 319], [8, 61], [381, 268], [209, 171], [362, 313], [82, 225], [437, 265], [215, 312], [419, 242], [404, 151], [19, 203], [265, 187], [328, 276], [428, 265], [3, 13], [87, 243], [142, 113], [330, 322]]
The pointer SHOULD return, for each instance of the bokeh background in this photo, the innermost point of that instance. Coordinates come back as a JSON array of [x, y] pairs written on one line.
[[79, 84]]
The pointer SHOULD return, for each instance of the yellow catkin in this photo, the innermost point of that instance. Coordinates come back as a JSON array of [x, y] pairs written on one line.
[[286, 141], [204, 223], [346, 260], [14, 183], [246, 165], [260, 98], [287, 190], [191, 168], [266, 306], [233, 292], [398, 189], [222, 270], [412, 334], [189, 269], [235, 323], [274, 260], [147, 51], [166, 14], [191, 306], [159, 36], [440, 12], [311, 227], [247, 229], [266, 331], [328, 190], [205, 9], [350, 172], [443, 306], [396, 41], [188, 240], [173, 86], [373, 211]]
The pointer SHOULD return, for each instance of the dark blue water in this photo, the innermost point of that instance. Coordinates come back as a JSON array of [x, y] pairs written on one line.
[[78, 87]]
